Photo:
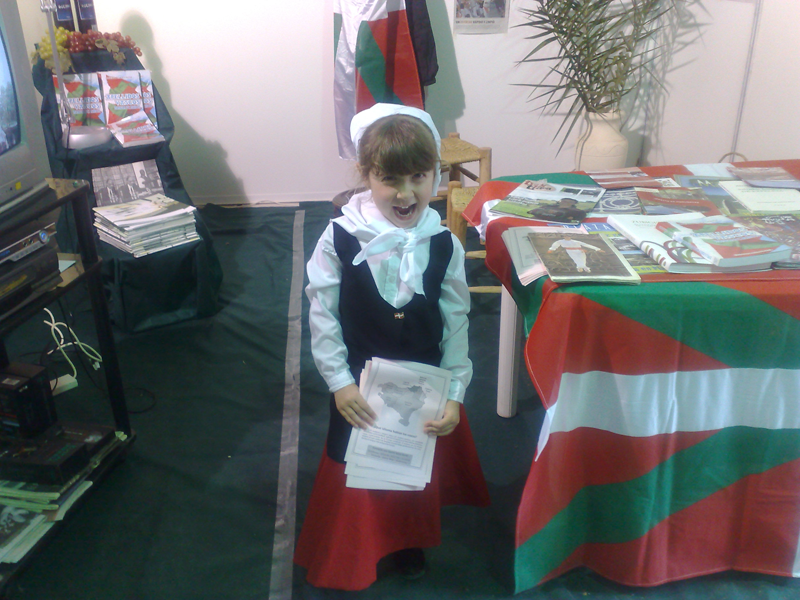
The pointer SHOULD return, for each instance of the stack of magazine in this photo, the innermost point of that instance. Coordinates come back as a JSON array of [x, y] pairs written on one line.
[[146, 225], [29, 509], [395, 453]]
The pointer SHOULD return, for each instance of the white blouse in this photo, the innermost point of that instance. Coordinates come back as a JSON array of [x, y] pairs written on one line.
[[397, 258]]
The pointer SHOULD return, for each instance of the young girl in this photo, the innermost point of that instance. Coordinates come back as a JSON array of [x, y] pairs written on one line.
[[387, 280]]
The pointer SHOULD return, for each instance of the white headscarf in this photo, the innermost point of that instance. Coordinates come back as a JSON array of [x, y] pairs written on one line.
[[367, 117], [378, 239]]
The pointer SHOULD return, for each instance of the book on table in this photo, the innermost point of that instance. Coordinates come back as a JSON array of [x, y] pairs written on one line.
[[628, 177], [395, 453], [582, 257], [762, 201], [125, 109], [784, 228], [619, 201], [712, 188], [724, 242], [85, 99], [550, 202], [675, 200], [768, 177], [672, 255]]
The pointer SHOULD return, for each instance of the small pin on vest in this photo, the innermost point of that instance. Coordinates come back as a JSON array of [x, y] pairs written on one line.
[[399, 315]]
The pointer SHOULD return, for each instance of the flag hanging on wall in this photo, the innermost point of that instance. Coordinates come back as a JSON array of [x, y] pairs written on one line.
[[374, 61]]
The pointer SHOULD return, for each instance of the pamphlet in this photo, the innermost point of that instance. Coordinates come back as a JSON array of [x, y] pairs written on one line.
[[395, 452]]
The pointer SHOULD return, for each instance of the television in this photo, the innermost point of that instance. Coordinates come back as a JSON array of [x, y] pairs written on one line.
[[23, 155]]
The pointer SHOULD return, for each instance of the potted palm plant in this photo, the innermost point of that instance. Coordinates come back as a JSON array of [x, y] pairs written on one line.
[[603, 50]]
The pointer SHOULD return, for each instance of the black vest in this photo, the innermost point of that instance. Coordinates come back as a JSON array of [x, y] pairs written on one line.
[[371, 327]]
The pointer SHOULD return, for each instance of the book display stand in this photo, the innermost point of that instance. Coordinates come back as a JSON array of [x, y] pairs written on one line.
[[170, 286], [86, 270]]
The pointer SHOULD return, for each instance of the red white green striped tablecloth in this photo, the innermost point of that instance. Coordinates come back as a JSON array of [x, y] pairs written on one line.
[[671, 444]]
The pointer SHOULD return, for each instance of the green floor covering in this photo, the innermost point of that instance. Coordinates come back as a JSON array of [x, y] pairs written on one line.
[[190, 515]]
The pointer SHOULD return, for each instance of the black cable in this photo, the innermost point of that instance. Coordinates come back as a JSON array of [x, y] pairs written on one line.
[[144, 392]]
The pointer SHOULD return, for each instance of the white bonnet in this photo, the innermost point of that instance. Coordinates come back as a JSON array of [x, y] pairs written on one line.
[[367, 117]]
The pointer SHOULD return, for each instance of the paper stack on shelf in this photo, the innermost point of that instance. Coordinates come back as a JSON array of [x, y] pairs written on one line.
[[147, 225], [395, 453], [19, 530]]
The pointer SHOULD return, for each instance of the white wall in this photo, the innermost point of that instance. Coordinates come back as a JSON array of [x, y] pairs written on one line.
[[250, 87]]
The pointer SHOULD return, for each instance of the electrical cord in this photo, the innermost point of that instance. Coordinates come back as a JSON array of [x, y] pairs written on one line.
[[144, 392], [62, 344]]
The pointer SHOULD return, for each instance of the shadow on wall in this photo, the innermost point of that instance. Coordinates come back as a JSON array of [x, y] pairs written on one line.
[[445, 98], [644, 109], [203, 164]]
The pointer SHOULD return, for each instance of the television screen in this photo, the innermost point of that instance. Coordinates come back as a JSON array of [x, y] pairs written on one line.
[[9, 111], [23, 155]]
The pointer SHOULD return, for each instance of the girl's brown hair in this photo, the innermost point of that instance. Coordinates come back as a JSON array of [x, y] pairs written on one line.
[[397, 145]]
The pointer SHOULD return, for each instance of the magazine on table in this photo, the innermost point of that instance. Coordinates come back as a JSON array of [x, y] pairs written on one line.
[[726, 243], [637, 258], [550, 202], [710, 185], [581, 257], [395, 453], [672, 255], [784, 228], [768, 177], [527, 264], [623, 178], [675, 200], [142, 212], [764, 201], [623, 200]]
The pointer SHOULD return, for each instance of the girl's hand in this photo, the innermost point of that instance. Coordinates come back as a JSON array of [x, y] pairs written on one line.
[[353, 407], [448, 422]]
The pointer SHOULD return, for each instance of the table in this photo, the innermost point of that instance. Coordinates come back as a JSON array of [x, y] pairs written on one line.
[[671, 442]]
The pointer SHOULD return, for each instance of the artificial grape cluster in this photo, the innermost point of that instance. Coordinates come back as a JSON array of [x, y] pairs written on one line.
[[45, 49], [71, 42], [94, 40]]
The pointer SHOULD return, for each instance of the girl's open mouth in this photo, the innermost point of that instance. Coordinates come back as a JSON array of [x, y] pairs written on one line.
[[405, 212]]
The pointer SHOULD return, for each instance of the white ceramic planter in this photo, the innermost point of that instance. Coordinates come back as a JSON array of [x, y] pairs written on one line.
[[601, 145]]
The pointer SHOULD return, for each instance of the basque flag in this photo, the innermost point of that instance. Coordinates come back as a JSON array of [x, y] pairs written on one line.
[[374, 61]]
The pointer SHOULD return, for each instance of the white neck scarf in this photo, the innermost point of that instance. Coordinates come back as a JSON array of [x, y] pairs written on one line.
[[378, 236]]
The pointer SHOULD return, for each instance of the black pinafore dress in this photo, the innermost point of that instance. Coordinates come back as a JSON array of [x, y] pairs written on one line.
[[347, 531]]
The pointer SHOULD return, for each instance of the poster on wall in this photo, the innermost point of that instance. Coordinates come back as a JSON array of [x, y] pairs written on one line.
[[480, 16]]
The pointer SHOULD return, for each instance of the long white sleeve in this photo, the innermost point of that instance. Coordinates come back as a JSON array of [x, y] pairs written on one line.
[[454, 306], [327, 345]]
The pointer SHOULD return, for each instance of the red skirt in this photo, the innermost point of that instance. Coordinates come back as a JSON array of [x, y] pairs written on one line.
[[347, 531]]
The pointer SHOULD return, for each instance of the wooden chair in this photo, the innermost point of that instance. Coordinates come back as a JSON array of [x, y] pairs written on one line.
[[458, 198], [456, 152]]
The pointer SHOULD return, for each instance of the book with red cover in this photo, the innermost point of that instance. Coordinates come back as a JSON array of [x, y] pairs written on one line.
[[676, 200], [725, 242]]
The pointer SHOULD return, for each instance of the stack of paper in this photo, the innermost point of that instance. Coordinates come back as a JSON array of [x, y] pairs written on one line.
[[395, 453], [146, 225]]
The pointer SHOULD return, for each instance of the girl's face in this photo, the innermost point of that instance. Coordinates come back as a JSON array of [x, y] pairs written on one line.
[[402, 198]]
